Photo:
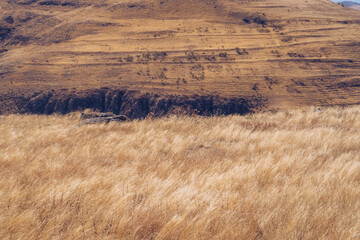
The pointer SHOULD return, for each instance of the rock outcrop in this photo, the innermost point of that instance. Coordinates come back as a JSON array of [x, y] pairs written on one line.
[[137, 105], [99, 118]]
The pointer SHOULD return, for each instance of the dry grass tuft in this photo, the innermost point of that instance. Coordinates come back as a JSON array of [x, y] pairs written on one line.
[[286, 175]]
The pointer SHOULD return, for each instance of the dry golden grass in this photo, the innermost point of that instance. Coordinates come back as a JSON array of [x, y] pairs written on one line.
[[286, 175]]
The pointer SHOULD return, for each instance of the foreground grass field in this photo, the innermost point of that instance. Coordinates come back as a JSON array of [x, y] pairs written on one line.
[[286, 175]]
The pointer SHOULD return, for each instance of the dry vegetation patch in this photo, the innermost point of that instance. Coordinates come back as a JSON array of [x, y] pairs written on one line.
[[286, 175]]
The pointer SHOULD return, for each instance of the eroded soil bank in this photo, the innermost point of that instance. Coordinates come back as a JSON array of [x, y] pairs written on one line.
[[133, 104]]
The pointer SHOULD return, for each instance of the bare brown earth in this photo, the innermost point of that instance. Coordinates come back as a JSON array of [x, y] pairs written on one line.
[[161, 56]]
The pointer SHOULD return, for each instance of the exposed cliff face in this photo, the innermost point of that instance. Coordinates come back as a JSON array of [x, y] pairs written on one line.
[[136, 105]]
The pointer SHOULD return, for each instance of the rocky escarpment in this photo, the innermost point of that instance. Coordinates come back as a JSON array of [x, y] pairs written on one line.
[[134, 104]]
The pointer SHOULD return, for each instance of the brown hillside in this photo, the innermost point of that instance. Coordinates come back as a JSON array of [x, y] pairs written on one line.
[[61, 55]]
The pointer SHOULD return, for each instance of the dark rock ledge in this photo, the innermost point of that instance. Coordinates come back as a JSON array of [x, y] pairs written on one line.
[[134, 104]]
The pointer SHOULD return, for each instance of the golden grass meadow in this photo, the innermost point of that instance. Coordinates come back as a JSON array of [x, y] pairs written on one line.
[[287, 175]]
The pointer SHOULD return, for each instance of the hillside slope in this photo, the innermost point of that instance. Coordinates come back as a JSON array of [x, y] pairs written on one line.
[[59, 55]]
